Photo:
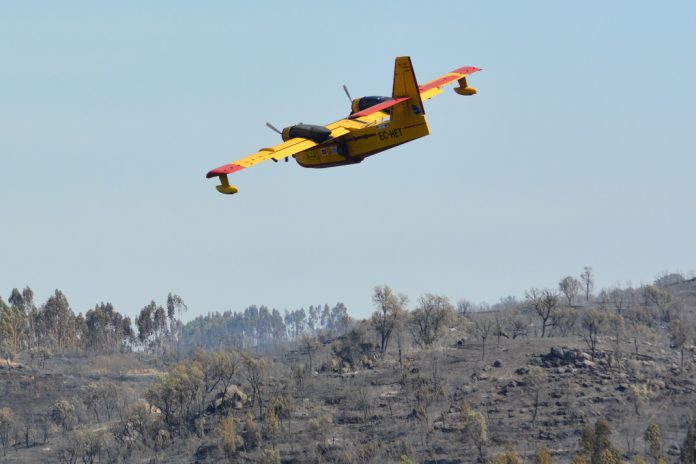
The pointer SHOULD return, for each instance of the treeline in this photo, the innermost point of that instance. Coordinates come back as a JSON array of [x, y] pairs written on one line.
[[54, 326], [157, 329], [261, 327]]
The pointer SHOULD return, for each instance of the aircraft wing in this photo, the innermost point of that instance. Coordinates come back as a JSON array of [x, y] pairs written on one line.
[[278, 152], [434, 87]]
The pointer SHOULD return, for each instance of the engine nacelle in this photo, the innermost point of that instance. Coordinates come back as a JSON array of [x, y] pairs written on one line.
[[311, 132], [364, 103]]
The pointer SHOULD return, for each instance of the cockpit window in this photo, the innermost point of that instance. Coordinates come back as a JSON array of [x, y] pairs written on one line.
[[368, 102]]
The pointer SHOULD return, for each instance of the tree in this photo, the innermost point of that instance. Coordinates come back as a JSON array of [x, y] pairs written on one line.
[[543, 456], [175, 304], [535, 380], [544, 304], [679, 333], [653, 442], [106, 329], [564, 320], [29, 309], [390, 307], [569, 286], [499, 323], [615, 327], [509, 456], [320, 427], [13, 325], [597, 445], [593, 323], [227, 435], [638, 320], [666, 279], [483, 326], [621, 299], [219, 369], [271, 424], [308, 345], [430, 318], [256, 372], [91, 398], [84, 446], [688, 448], [63, 415], [517, 324], [424, 395], [7, 425], [179, 394], [464, 307], [587, 278], [662, 299], [56, 321], [145, 324], [475, 429]]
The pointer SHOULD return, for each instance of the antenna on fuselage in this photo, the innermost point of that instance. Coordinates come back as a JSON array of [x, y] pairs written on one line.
[[345, 89]]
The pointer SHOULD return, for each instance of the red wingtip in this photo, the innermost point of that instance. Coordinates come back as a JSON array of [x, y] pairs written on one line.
[[226, 169], [467, 70]]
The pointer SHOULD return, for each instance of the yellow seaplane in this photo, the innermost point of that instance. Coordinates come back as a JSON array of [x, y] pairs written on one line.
[[375, 124]]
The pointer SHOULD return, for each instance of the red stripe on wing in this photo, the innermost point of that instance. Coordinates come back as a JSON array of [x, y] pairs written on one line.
[[466, 70], [378, 107], [226, 169]]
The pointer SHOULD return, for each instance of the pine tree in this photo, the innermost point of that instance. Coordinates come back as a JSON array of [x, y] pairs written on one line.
[[509, 456], [228, 436], [543, 456], [653, 439], [688, 450], [597, 445]]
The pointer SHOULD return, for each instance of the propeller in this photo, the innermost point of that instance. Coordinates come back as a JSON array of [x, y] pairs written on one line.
[[273, 128], [345, 89]]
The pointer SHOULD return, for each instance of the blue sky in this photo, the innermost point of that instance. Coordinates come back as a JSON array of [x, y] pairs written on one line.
[[578, 150]]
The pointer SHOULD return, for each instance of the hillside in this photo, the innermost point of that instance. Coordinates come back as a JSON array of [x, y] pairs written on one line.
[[333, 396]]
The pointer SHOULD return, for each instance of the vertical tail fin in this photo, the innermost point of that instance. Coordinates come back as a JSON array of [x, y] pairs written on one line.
[[405, 85]]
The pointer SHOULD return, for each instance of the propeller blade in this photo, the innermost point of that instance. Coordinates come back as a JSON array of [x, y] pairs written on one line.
[[273, 128], [345, 89]]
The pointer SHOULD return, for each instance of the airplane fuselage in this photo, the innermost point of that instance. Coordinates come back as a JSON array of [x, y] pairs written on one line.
[[364, 142]]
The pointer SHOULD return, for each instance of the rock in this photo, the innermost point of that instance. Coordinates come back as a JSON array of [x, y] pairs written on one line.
[[497, 363], [587, 364], [657, 384], [555, 352]]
